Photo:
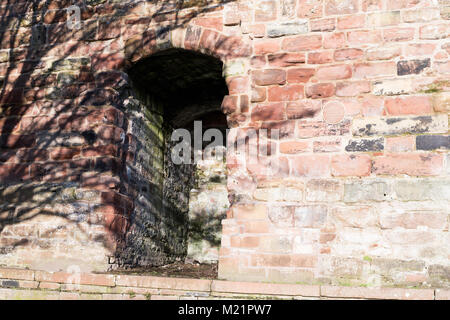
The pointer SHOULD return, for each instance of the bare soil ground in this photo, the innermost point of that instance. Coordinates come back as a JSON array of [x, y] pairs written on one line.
[[177, 269]]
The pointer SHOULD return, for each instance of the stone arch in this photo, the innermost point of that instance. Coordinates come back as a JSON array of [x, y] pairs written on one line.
[[145, 54], [233, 51], [195, 38]]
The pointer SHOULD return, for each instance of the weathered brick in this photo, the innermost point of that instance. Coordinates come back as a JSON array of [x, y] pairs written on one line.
[[333, 112], [351, 21], [400, 4], [14, 141], [303, 109], [163, 283], [414, 105], [63, 153], [324, 190], [270, 111], [319, 128], [310, 216], [265, 288], [265, 10], [288, 8], [293, 147], [14, 172], [381, 19], [413, 220], [441, 102], [237, 85], [410, 164], [281, 129], [283, 260], [265, 46], [410, 237], [250, 212], [327, 146], [279, 194], [348, 54], [364, 145], [310, 166], [351, 89], [432, 142], [445, 13], [400, 125], [334, 40], [328, 24], [352, 165], [438, 273], [412, 66], [300, 75], [320, 57], [18, 274], [229, 104], [400, 144], [393, 87], [337, 7], [422, 15], [355, 216], [286, 59], [372, 5], [233, 68], [434, 31], [259, 94], [291, 275], [286, 93], [334, 72], [308, 9], [320, 90], [442, 67], [398, 34], [374, 69], [281, 29], [384, 293], [269, 77], [281, 216], [302, 43], [360, 37], [383, 53], [442, 294], [420, 49], [366, 191], [83, 278]]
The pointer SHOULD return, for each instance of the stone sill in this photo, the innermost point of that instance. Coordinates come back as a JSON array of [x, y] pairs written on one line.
[[41, 285]]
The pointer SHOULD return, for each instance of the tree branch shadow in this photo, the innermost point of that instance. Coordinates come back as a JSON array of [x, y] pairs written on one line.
[[49, 87]]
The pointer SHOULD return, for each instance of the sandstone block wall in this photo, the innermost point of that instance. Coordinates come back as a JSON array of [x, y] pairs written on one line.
[[20, 284], [358, 89]]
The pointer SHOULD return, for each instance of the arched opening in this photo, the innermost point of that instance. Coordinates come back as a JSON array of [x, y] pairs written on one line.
[[178, 207]]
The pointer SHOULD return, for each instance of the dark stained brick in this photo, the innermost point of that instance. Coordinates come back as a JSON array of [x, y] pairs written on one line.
[[365, 145], [10, 283], [416, 66], [432, 142]]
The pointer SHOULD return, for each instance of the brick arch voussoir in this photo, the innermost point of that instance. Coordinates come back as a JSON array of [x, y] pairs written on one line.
[[198, 39], [195, 38]]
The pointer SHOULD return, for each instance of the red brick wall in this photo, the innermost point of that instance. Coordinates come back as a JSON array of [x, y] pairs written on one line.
[[358, 89], [20, 284]]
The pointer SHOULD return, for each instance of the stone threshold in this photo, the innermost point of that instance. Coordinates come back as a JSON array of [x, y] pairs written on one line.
[[23, 284]]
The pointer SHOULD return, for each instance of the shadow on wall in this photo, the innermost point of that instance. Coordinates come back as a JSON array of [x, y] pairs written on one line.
[[62, 130]]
